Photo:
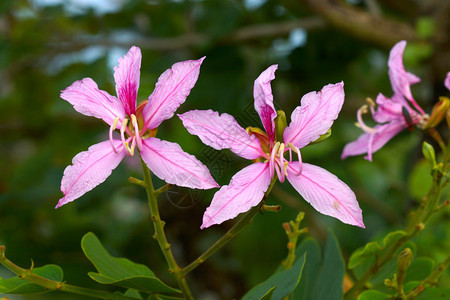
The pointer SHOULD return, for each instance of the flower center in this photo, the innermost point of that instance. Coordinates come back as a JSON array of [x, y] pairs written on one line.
[[277, 162], [133, 135]]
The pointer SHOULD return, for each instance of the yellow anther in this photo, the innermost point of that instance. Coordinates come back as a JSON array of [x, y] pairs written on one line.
[[363, 109], [281, 151], [116, 120], [134, 121], [130, 150], [370, 101]]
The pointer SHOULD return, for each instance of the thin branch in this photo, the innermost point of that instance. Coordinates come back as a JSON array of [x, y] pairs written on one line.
[[243, 34], [363, 25]]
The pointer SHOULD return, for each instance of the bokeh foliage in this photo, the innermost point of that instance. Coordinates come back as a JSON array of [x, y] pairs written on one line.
[[44, 48]]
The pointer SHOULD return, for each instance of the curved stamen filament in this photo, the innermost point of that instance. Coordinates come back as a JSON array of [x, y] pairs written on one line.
[[361, 124], [371, 104], [299, 155], [282, 162], [122, 136], [111, 129], [272, 158]]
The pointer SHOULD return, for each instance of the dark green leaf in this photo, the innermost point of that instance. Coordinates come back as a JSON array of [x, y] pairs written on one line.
[[420, 269], [120, 271], [311, 269], [329, 284], [281, 284]]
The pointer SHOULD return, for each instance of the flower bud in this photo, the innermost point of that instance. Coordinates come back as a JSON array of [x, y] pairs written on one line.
[[403, 262], [440, 110], [280, 125], [428, 152]]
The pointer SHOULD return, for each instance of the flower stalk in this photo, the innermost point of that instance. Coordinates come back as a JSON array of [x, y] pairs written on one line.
[[160, 235], [229, 235]]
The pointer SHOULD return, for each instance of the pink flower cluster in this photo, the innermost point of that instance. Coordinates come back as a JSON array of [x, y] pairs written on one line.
[[137, 127], [392, 114]]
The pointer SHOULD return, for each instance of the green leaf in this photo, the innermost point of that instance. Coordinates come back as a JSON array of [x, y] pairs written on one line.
[[372, 248], [279, 285], [435, 294], [420, 269], [164, 297], [268, 295], [372, 295], [329, 284], [16, 285], [311, 269], [120, 271], [133, 294]]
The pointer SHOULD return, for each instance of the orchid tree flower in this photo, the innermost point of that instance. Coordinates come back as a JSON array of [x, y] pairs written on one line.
[[137, 127], [313, 118], [392, 114]]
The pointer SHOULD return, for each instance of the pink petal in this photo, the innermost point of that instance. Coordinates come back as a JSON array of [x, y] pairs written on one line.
[[315, 115], [447, 81], [87, 99], [397, 73], [370, 143], [221, 132], [173, 86], [246, 189], [127, 75], [171, 164], [400, 79], [326, 193], [89, 169], [389, 109], [262, 92]]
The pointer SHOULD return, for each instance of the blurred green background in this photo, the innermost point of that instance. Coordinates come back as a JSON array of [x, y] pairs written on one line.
[[45, 45]]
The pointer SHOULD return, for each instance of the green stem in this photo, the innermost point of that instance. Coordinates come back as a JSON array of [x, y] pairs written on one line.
[[28, 275], [431, 280], [160, 235], [229, 235]]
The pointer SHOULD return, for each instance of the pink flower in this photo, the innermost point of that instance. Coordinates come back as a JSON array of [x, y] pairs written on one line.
[[166, 160], [323, 190], [447, 81], [393, 114]]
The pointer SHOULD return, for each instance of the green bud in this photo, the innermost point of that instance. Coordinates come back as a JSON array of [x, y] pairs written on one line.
[[403, 262], [439, 112], [322, 137], [280, 125], [389, 284], [428, 152]]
